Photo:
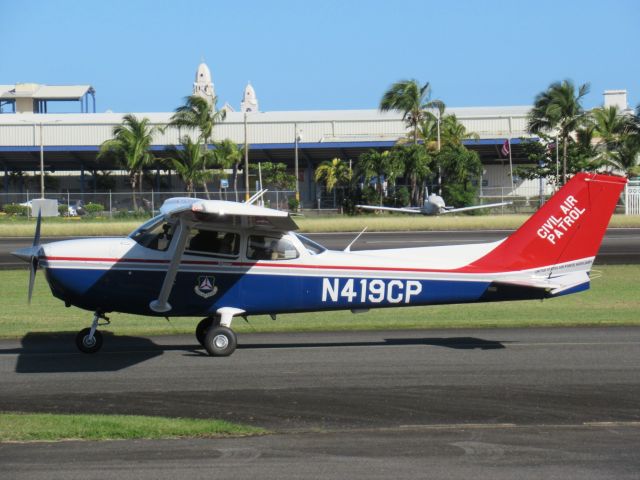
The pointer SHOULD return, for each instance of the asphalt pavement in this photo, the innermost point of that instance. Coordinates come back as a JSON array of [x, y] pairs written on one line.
[[482, 403]]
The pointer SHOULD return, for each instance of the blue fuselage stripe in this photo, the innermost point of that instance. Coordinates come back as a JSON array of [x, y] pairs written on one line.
[[199, 294]]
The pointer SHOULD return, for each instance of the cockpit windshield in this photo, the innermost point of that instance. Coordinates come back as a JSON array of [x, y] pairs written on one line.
[[312, 247], [155, 234]]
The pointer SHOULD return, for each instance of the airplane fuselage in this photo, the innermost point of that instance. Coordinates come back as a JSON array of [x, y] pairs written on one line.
[[118, 274]]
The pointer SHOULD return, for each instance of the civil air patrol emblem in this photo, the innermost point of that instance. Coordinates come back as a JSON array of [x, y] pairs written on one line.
[[206, 286]]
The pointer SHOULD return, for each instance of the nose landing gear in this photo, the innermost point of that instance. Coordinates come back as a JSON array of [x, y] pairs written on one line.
[[89, 340]]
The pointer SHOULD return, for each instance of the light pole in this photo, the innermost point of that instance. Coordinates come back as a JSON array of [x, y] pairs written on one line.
[[439, 167], [41, 125], [246, 161], [298, 137]]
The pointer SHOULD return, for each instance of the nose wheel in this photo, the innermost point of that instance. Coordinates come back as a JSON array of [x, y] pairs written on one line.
[[89, 340], [88, 343]]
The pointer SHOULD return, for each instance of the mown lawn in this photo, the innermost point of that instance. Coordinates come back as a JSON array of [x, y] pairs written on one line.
[[54, 427], [82, 227]]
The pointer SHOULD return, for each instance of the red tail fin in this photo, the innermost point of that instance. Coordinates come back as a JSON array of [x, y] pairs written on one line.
[[569, 227]]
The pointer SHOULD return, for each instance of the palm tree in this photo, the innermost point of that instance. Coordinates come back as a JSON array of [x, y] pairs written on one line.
[[333, 172], [559, 109], [198, 114], [416, 162], [228, 154], [413, 100], [453, 132], [188, 161], [378, 165], [617, 135], [130, 145]]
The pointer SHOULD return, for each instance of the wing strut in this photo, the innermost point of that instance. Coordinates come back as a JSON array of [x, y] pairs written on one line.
[[161, 305]]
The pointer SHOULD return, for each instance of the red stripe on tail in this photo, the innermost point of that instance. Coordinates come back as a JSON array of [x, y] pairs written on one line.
[[569, 227]]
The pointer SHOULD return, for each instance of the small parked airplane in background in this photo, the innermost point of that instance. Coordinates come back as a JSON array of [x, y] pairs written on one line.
[[433, 205], [218, 260]]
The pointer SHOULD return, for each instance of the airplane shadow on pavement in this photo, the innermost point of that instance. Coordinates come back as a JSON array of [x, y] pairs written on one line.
[[56, 353], [460, 343]]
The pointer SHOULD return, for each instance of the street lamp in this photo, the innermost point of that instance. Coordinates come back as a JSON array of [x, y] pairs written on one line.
[[41, 124], [246, 161], [298, 137]]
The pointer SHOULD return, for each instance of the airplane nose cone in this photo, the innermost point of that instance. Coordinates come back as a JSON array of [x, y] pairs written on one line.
[[27, 253]]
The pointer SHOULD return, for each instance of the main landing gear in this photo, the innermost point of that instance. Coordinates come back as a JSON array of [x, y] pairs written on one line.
[[89, 340], [215, 334]]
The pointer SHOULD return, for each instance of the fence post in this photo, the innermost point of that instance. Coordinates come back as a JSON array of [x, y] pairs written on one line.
[[626, 199], [153, 205], [110, 206]]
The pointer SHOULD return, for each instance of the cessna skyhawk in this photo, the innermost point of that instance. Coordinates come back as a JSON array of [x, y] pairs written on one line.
[[219, 260]]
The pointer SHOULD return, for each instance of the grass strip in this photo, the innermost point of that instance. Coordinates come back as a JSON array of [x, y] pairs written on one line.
[[55, 427], [612, 300], [337, 223]]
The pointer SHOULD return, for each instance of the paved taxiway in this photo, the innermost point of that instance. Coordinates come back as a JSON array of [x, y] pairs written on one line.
[[620, 245], [516, 403]]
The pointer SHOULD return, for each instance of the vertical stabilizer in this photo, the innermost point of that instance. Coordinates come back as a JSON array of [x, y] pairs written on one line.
[[569, 227]]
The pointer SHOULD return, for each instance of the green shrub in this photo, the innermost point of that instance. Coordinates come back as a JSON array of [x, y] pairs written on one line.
[[15, 210], [92, 208], [63, 210], [293, 204]]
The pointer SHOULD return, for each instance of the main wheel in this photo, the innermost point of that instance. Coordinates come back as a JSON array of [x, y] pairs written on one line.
[[220, 342], [202, 328], [86, 344]]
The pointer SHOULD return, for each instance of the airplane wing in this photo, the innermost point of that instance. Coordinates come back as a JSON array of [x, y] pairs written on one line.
[[228, 213], [391, 209], [474, 207]]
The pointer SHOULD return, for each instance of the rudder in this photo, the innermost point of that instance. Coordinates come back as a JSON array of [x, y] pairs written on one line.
[[569, 227]]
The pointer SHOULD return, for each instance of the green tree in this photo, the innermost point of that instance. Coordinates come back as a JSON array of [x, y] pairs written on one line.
[[581, 157], [130, 146], [187, 161], [228, 154], [376, 165], [452, 132], [617, 138], [559, 109], [416, 165], [460, 167], [275, 175], [198, 114], [334, 173], [413, 100]]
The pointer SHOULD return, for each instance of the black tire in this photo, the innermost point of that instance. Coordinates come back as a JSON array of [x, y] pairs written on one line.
[[220, 342], [83, 343], [202, 328]]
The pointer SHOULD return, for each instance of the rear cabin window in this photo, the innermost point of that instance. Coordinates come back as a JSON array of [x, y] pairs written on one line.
[[262, 247], [210, 242]]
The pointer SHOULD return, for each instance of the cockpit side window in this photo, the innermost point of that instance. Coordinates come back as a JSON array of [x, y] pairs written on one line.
[[211, 242], [263, 247], [155, 234]]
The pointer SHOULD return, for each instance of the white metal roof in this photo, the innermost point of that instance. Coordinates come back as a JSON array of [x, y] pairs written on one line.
[[43, 92]]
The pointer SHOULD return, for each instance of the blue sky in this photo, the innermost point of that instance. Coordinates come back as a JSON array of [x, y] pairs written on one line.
[[141, 56]]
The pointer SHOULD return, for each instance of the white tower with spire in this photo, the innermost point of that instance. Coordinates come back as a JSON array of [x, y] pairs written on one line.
[[203, 86], [249, 100]]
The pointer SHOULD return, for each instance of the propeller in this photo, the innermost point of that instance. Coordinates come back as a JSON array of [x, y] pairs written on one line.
[[31, 254]]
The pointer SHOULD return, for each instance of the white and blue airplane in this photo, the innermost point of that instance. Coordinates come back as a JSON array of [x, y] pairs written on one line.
[[219, 260]]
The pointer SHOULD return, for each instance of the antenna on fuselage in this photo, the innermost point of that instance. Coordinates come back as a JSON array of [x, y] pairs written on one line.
[[348, 249]]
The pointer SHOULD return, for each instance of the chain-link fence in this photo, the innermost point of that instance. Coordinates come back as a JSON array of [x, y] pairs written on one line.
[[124, 203]]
